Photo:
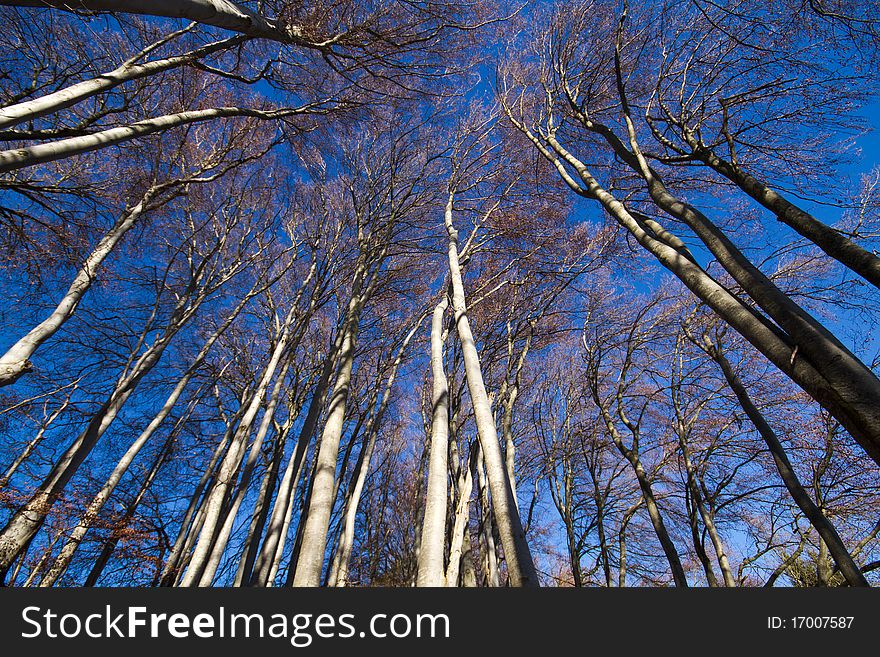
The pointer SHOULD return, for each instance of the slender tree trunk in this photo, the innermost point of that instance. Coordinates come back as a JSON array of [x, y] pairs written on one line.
[[831, 241], [32, 445], [468, 569], [122, 466], [29, 156], [706, 516], [699, 548], [520, 566], [310, 561], [339, 572], [268, 560], [820, 523], [172, 568], [860, 419], [621, 542], [459, 543], [261, 507], [12, 115], [107, 551], [433, 545], [16, 361], [847, 375], [222, 537], [604, 552], [491, 561], [509, 395], [26, 522], [229, 467]]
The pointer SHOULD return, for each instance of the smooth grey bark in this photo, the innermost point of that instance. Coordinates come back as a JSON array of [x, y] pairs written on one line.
[[260, 514], [856, 384], [339, 572], [222, 536], [267, 562], [832, 242], [130, 509], [16, 361], [91, 514], [28, 156], [859, 419], [191, 524], [28, 519], [490, 563], [173, 567], [520, 566], [509, 393], [12, 115], [310, 561], [218, 13], [231, 462], [433, 544], [459, 543]]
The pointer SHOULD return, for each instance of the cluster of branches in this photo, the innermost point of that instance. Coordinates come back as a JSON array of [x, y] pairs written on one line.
[[295, 298]]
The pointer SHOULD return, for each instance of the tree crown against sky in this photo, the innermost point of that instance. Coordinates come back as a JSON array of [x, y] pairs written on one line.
[[439, 293]]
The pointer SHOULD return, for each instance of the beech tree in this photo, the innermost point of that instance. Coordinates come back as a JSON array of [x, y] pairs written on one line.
[[299, 294]]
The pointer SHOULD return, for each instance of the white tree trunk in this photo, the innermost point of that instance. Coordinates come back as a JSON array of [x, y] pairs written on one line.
[[314, 536], [75, 93], [97, 503], [339, 571], [231, 462], [16, 360], [219, 13], [18, 158], [266, 566], [460, 523], [520, 566], [433, 545], [223, 536]]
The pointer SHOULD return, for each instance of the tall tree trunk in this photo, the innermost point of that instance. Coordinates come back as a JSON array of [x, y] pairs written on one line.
[[339, 572], [134, 449], [831, 241], [310, 561], [32, 445], [267, 562], [644, 481], [490, 563], [26, 522], [820, 523], [224, 14], [520, 566], [12, 115], [173, 567], [231, 462], [262, 507], [29, 156], [433, 546], [841, 399], [222, 537], [16, 361], [459, 543]]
